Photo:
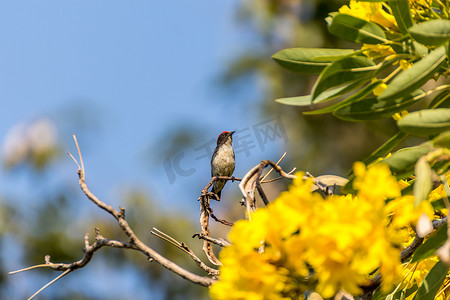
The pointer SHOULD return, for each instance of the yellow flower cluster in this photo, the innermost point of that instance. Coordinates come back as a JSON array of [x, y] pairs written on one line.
[[414, 274], [304, 242]]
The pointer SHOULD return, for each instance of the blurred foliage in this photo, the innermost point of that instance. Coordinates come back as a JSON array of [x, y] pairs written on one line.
[[278, 25]]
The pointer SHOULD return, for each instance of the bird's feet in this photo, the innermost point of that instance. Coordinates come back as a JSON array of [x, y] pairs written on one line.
[[213, 195]]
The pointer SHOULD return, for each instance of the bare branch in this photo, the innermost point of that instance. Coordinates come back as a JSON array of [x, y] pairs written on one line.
[[206, 211], [222, 221], [205, 192], [29, 268], [327, 183], [261, 193], [248, 183], [182, 246], [88, 253], [219, 242], [135, 242], [204, 224], [79, 153]]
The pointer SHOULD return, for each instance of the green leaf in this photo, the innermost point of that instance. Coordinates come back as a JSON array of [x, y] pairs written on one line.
[[429, 247], [356, 97], [432, 282], [343, 71], [402, 14], [441, 100], [305, 60], [417, 75], [423, 183], [442, 140], [438, 204], [296, 101], [356, 29], [414, 77], [431, 33], [426, 122], [338, 91], [373, 108], [404, 159], [396, 294], [420, 49], [333, 93], [386, 147], [325, 96]]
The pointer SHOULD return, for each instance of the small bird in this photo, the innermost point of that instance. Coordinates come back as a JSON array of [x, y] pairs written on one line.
[[222, 161]]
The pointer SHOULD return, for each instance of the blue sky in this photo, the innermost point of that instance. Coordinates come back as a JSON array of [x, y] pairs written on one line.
[[122, 76], [137, 70]]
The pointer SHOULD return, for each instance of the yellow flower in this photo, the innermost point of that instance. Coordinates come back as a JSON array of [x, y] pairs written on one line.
[[341, 238], [405, 213], [444, 294], [439, 192], [372, 12], [405, 65], [246, 273], [399, 115], [379, 89], [374, 51], [376, 183], [247, 276], [420, 269], [414, 274]]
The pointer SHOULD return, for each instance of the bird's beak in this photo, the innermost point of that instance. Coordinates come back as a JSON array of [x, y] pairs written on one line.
[[232, 132]]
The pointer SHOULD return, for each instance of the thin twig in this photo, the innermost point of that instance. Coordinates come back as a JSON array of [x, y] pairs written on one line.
[[167, 238], [262, 178], [182, 246], [279, 177], [219, 242], [79, 168], [221, 221], [79, 153], [29, 268], [50, 283]]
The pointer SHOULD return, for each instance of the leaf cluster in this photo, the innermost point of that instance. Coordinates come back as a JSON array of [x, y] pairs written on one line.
[[389, 76]]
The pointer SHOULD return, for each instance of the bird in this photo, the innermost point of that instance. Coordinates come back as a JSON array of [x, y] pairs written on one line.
[[222, 160]]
